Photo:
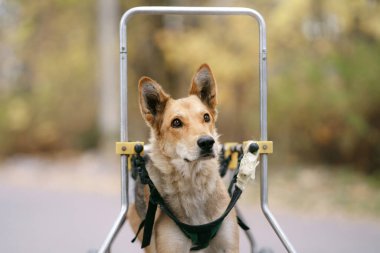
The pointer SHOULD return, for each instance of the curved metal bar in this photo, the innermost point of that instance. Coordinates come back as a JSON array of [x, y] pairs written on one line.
[[265, 207], [121, 218], [165, 10], [179, 10]]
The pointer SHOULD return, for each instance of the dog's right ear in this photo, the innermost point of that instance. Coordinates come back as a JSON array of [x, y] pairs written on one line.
[[152, 100]]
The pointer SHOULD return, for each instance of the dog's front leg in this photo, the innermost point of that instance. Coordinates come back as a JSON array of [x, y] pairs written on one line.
[[169, 238]]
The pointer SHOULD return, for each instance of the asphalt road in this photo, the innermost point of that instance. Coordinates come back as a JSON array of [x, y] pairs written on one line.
[[52, 221]]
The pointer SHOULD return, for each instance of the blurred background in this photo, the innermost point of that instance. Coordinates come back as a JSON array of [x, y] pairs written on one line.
[[59, 109]]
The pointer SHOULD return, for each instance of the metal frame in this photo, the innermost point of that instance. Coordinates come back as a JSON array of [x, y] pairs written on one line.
[[164, 10]]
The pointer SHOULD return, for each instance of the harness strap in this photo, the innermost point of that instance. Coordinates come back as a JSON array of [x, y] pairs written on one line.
[[138, 230], [149, 219], [200, 235], [242, 224]]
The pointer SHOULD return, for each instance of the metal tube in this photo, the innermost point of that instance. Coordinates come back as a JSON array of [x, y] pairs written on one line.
[[161, 10], [121, 218], [179, 10], [106, 246], [264, 137], [265, 207]]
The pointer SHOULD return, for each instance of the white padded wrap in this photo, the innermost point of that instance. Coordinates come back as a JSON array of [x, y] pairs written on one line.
[[248, 166]]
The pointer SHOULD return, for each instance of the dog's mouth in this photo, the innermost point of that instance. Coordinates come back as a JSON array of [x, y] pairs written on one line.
[[202, 156], [207, 155]]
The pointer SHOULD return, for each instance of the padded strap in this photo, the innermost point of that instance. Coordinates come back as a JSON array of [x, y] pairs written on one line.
[[149, 222], [242, 224], [138, 231], [200, 235]]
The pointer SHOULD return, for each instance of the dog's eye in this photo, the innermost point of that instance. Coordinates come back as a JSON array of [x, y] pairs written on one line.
[[176, 123], [206, 117]]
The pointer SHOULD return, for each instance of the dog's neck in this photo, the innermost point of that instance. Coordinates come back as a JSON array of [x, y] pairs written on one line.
[[190, 188]]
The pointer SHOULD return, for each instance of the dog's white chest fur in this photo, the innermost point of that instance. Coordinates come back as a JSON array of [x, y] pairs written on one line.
[[188, 188]]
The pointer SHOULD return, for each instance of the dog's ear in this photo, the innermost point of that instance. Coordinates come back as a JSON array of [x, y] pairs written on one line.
[[204, 86], [152, 100]]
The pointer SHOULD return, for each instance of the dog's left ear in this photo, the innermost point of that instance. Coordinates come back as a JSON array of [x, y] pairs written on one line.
[[204, 86]]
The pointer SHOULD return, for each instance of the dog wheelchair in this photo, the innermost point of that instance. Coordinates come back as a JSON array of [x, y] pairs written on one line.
[[230, 152]]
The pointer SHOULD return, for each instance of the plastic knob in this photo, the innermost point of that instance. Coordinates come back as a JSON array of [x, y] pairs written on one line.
[[253, 147], [139, 148]]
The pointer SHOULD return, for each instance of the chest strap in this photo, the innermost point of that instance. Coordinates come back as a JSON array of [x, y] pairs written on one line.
[[200, 235]]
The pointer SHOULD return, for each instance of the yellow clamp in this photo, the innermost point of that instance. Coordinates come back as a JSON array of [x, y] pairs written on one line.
[[128, 148], [265, 147]]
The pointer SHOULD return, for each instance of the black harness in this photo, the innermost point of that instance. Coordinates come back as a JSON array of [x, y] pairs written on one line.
[[200, 235]]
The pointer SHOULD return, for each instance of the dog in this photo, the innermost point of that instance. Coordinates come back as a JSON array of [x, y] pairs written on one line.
[[183, 165]]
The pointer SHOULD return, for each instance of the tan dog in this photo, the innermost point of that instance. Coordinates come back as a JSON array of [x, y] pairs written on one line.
[[183, 165]]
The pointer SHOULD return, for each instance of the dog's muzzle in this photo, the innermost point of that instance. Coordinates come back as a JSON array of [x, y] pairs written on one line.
[[206, 143]]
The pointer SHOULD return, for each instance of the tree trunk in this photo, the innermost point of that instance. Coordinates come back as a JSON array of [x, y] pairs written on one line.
[[107, 37]]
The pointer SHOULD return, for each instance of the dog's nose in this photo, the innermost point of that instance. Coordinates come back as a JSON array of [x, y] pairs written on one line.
[[205, 142]]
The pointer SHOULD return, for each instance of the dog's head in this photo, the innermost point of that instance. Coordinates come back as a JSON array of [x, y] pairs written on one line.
[[183, 128]]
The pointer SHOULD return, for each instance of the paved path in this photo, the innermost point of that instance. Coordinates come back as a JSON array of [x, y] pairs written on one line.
[[52, 221]]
